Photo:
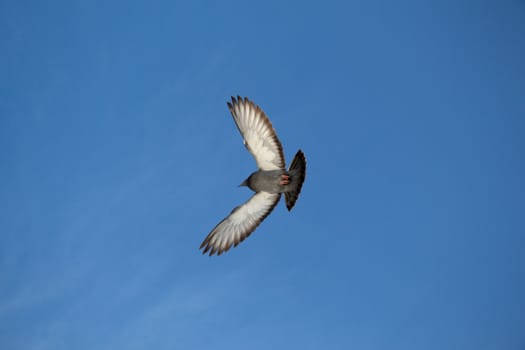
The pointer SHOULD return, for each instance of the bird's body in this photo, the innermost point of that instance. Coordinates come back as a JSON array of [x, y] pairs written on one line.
[[268, 182], [271, 180]]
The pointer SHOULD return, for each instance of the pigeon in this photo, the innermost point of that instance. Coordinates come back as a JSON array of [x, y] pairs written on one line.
[[268, 182]]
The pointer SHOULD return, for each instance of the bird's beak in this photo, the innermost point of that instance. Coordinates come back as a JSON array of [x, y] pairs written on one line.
[[244, 183]]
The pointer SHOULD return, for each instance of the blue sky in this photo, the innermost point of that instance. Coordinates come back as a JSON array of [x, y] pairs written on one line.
[[118, 155]]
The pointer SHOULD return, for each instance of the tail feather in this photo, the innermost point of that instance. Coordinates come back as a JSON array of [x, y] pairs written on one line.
[[297, 171]]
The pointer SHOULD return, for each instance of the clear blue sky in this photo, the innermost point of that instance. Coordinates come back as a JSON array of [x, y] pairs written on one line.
[[118, 155]]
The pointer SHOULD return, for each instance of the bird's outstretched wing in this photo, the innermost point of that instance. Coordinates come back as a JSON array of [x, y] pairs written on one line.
[[242, 221], [258, 133]]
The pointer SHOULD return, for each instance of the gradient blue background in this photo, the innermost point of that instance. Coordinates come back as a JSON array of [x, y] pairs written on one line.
[[118, 155]]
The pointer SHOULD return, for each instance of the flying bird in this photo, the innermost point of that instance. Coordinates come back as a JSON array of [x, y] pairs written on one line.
[[268, 182]]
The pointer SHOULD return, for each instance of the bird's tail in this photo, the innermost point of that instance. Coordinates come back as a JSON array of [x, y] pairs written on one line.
[[297, 172]]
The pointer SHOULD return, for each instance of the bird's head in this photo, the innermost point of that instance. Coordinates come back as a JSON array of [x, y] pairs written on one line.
[[244, 183]]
